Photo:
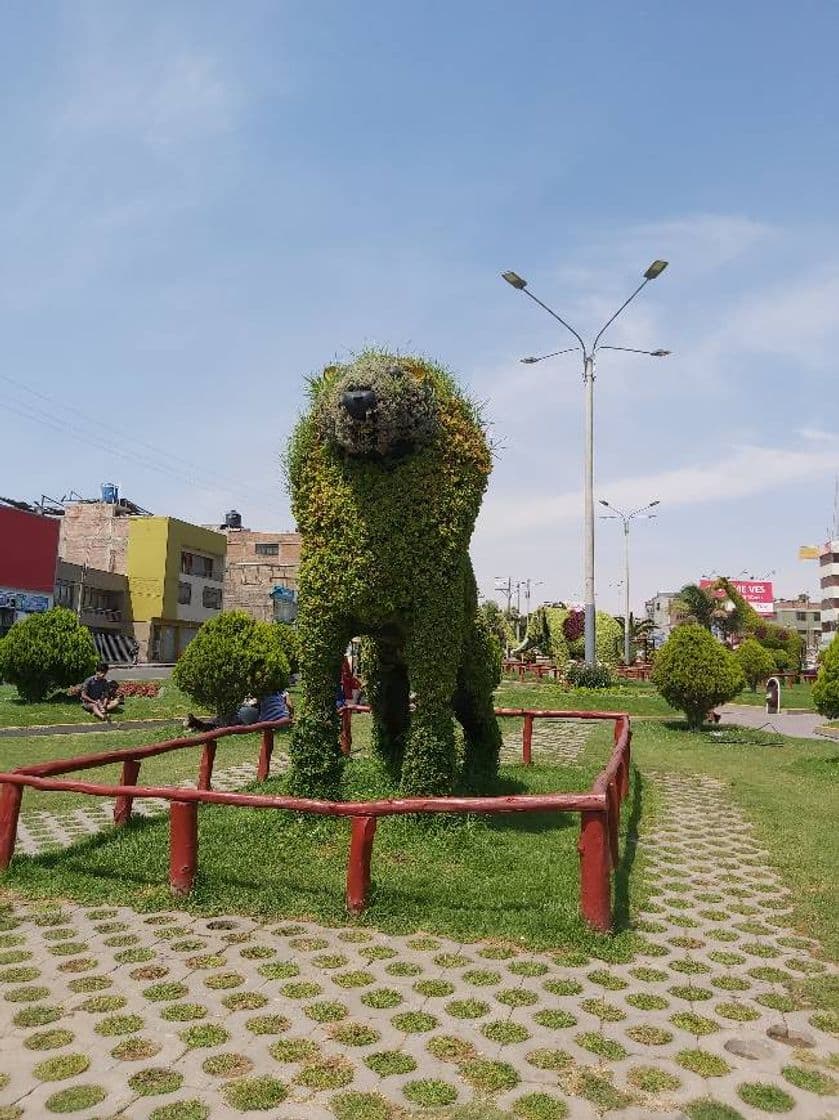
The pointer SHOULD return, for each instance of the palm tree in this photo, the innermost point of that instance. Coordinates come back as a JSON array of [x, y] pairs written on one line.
[[641, 632], [694, 604]]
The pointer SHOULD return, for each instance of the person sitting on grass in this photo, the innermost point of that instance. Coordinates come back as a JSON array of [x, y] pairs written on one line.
[[99, 695], [272, 706]]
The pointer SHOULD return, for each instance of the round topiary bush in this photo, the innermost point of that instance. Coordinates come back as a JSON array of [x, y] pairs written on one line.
[[386, 471], [694, 672], [46, 652], [756, 662], [826, 687], [232, 656]]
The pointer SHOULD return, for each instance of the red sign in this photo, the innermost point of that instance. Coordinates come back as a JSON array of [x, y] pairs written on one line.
[[759, 594], [28, 550]]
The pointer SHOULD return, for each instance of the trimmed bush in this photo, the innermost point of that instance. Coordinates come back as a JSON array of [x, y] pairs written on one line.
[[826, 688], [756, 662], [694, 672], [232, 656], [46, 652], [290, 641]]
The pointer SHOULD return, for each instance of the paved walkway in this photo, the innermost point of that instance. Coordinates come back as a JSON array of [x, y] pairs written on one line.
[[800, 725], [94, 727], [107, 1012]]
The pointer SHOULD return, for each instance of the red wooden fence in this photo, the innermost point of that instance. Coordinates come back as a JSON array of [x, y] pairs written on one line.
[[599, 807]]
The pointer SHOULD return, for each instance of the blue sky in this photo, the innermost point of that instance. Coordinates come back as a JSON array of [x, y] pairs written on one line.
[[203, 202]]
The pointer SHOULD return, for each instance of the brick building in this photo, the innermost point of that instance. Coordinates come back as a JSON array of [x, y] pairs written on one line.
[[261, 570]]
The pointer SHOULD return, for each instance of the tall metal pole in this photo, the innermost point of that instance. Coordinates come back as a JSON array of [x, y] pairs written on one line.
[[590, 623], [626, 627]]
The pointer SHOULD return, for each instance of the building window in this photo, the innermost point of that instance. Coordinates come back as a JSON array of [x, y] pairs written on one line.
[[65, 594], [193, 564], [184, 593], [800, 616], [817, 616], [211, 598], [267, 549]]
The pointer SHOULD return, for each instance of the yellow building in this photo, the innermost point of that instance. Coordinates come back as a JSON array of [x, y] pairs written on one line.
[[175, 577]]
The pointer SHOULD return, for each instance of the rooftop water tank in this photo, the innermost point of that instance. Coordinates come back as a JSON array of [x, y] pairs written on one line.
[[233, 520], [110, 493]]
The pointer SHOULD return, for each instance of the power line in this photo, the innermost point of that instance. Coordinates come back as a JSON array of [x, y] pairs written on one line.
[[206, 478], [26, 412]]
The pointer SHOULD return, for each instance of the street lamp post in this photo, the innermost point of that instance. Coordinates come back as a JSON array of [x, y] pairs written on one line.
[[626, 518], [516, 281]]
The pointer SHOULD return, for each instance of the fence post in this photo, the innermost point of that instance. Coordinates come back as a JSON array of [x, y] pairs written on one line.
[[183, 845], [346, 732], [358, 864], [122, 805], [527, 739], [265, 752], [595, 887], [205, 768], [613, 817], [9, 812]]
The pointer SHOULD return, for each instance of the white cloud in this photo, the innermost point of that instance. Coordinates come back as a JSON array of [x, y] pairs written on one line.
[[745, 471]]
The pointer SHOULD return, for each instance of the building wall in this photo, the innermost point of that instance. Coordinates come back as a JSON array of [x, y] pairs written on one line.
[[95, 534], [659, 610], [829, 579], [28, 551], [803, 617], [104, 595], [251, 575], [162, 625]]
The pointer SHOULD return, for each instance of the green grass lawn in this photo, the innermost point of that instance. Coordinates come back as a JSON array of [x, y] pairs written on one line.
[[792, 696], [164, 769], [636, 697], [512, 877], [62, 709]]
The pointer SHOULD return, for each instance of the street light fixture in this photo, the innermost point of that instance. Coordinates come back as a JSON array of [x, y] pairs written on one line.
[[520, 284], [626, 518]]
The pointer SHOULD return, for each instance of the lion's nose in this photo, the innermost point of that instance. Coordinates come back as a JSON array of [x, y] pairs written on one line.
[[359, 403]]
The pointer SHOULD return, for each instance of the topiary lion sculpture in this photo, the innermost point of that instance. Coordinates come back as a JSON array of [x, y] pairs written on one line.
[[386, 471]]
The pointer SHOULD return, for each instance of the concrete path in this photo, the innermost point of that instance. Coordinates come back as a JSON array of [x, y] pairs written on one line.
[[106, 1012], [800, 725]]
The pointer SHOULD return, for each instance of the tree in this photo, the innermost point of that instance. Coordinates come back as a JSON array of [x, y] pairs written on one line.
[[826, 688], [496, 622], [694, 604], [641, 632], [756, 662], [694, 672], [46, 652], [232, 656]]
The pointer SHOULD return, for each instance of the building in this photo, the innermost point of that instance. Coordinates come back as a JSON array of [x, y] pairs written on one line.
[[100, 600], [660, 611], [804, 617], [174, 571], [261, 571], [829, 580], [28, 557]]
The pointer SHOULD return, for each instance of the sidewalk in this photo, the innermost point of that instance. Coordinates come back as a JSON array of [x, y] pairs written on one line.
[[799, 725]]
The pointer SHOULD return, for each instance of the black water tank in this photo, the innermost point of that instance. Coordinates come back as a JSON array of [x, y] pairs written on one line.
[[233, 520]]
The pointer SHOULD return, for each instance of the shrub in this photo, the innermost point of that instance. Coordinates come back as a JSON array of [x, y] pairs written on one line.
[[693, 672], [574, 625], [232, 656], [781, 659], [756, 662], [580, 675], [290, 642], [46, 652], [826, 688]]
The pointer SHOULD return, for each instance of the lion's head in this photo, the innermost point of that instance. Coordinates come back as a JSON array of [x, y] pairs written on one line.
[[378, 407]]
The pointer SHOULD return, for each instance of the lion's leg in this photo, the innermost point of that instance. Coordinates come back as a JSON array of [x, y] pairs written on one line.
[[473, 705], [316, 760], [432, 654], [386, 679]]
